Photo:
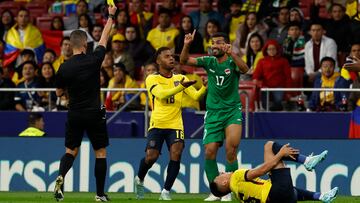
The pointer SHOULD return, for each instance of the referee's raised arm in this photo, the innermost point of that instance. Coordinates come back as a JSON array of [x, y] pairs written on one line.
[[106, 32]]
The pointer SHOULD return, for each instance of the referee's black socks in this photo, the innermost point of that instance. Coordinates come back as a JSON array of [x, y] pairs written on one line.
[[65, 164], [172, 172], [100, 175]]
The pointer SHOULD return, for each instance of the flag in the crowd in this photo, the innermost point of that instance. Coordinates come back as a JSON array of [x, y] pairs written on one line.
[[14, 45], [354, 131]]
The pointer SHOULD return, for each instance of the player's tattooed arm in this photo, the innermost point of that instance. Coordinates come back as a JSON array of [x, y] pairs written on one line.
[[227, 48]]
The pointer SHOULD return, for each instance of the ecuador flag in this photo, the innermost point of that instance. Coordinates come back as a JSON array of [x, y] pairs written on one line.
[[354, 131], [14, 45]]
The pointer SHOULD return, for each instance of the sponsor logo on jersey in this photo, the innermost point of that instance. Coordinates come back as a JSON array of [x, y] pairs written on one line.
[[227, 71], [211, 70]]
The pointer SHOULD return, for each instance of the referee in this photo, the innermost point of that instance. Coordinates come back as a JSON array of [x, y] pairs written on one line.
[[79, 76]]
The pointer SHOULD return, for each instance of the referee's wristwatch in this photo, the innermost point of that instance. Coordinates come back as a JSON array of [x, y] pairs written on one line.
[[111, 16]]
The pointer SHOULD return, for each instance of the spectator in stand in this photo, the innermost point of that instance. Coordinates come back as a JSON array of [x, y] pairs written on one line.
[[326, 100], [149, 69], [25, 55], [175, 10], [95, 34], [6, 22], [121, 79], [253, 55], [186, 27], [279, 30], [250, 26], [28, 101], [297, 15], [108, 64], [273, 8], [66, 53], [355, 24], [203, 15], [23, 35], [234, 20], [35, 126], [120, 55], [47, 80], [338, 28], [141, 18], [104, 83], [6, 98], [122, 21], [49, 56], [317, 48], [57, 23], [274, 71], [85, 23], [294, 45], [139, 49], [72, 22], [211, 27], [347, 75], [164, 34]]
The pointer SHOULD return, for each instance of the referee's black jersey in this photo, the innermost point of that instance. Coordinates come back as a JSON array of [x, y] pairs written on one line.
[[80, 75]]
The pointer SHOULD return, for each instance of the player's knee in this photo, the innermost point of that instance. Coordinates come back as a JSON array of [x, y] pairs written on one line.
[[210, 153], [231, 154], [73, 152], [151, 156], [100, 153], [176, 155]]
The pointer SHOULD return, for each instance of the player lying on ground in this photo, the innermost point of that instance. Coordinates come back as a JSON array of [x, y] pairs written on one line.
[[248, 187]]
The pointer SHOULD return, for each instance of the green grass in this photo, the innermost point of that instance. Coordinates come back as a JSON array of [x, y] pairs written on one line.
[[75, 197]]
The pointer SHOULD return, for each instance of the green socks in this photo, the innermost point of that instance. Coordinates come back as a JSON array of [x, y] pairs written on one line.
[[211, 169], [231, 167]]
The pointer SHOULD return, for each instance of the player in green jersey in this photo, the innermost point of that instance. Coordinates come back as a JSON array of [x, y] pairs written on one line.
[[223, 116]]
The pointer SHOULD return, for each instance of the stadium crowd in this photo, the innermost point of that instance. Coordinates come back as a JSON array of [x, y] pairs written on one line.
[[285, 43]]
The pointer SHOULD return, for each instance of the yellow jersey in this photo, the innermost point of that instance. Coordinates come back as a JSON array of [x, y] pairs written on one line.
[[247, 190], [158, 38], [166, 95], [187, 101]]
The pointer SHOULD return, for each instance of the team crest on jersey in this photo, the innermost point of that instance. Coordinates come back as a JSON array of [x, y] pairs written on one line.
[[176, 83], [227, 71]]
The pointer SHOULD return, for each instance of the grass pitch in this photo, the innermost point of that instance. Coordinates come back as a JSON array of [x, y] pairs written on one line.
[[76, 197]]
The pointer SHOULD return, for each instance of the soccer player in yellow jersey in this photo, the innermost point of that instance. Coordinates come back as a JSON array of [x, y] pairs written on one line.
[[166, 90], [247, 186]]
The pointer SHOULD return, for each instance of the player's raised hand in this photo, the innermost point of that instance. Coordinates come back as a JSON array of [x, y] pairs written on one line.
[[204, 80], [226, 48], [187, 83], [287, 151], [189, 38]]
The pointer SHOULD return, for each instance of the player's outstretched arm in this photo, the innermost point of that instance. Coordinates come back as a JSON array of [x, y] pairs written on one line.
[[184, 56], [106, 32], [285, 151], [227, 48]]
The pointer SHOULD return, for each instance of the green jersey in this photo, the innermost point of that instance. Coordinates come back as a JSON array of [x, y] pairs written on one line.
[[223, 83]]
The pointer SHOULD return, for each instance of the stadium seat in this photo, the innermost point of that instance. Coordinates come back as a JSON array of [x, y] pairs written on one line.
[[248, 88], [44, 22], [9, 5], [297, 77], [147, 6]]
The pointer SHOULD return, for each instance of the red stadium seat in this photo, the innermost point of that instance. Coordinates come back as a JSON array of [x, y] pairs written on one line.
[[44, 22], [147, 6], [253, 91], [9, 5], [297, 74]]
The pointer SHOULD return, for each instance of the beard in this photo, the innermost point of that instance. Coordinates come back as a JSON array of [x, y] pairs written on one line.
[[216, 52]]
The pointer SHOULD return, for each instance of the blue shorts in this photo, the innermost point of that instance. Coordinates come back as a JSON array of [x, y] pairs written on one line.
[[156, 138]]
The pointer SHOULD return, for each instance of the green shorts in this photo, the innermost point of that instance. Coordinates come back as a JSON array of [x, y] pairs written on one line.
[[216, 122]]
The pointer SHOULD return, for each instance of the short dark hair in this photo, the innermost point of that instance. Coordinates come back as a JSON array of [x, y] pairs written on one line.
[[336, 4], [120, 66], [98, 25], [23, 9], [63, 39], [33, 117], [221, 34], [159, 51], [83, 1], [215, 190], [294, 24], [317, 22], [77, 37], [163, 10], [327, 58], [51, 51], [27, 52]]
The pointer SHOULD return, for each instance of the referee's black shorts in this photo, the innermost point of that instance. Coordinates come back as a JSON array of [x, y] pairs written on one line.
[[282, 189], [93, 123]]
